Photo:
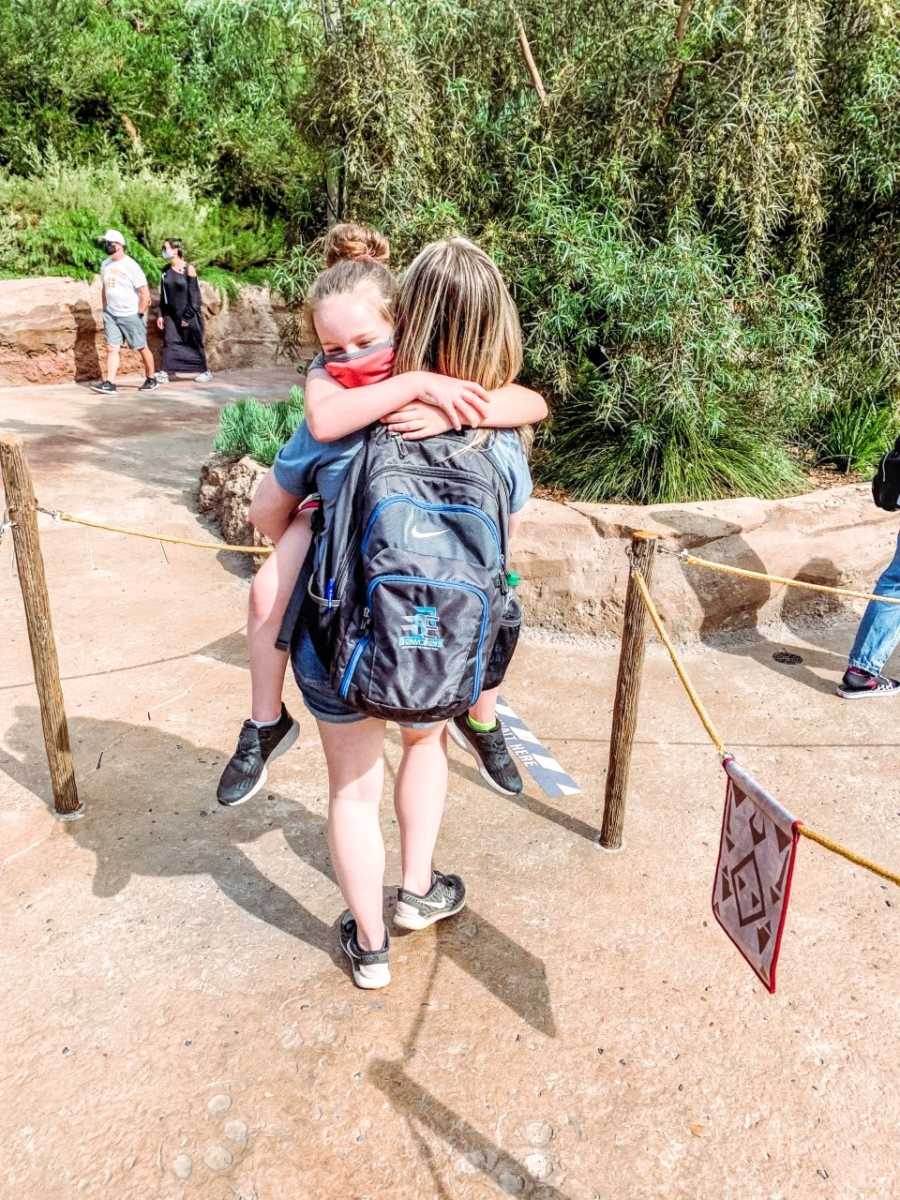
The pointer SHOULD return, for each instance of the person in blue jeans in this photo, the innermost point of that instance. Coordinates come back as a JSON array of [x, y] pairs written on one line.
[[876, 639]]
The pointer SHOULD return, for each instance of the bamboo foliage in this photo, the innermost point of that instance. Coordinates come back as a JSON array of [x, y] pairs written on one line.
[[697, 210]]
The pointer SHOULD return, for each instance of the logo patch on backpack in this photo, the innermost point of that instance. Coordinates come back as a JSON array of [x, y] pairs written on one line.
[[422, 630]]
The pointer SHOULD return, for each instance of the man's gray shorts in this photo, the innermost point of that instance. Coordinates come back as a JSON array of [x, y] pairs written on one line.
[[131, 329]]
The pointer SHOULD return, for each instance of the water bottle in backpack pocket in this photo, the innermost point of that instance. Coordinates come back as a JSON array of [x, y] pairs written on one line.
[[505, 644]]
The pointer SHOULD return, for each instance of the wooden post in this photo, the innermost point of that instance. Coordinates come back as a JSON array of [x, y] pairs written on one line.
[[20, 503], [628, 691]]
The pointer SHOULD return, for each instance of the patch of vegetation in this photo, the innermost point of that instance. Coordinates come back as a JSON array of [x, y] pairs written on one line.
[[853, 437], [701, 226], [55, 214], [259, 429]]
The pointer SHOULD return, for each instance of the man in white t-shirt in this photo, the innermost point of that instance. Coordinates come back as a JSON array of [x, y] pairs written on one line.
[[126, 298]]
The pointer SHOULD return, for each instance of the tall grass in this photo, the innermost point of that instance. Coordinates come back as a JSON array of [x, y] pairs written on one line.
[[251, 427]]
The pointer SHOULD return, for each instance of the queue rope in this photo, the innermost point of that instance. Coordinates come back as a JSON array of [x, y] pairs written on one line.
[[57, 515], [804, 584], [699, 707], [716, 739]]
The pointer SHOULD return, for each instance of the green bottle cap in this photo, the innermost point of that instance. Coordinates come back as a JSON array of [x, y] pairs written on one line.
[[513, 578]]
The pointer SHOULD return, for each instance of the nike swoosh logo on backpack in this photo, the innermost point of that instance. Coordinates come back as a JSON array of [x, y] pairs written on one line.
[[435, 533]]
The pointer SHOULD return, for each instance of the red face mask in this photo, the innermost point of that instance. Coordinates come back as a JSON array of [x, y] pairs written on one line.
[[361, 367]]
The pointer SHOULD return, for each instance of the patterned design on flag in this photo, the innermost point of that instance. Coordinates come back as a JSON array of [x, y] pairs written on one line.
[[537, 760], [753, 875]]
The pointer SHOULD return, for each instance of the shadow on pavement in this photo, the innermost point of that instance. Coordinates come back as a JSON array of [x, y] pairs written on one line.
[[151, 811]]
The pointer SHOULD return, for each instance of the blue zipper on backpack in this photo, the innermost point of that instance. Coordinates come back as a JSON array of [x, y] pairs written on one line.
[[427, 507], [347, 677], [351, 666]]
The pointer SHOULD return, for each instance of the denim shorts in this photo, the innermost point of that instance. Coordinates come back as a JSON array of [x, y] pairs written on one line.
[[316, 688], [131, 329], [318, 692]]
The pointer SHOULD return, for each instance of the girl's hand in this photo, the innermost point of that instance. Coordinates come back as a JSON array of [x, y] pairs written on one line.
[[463, 402], [417, 421], [160, 324]]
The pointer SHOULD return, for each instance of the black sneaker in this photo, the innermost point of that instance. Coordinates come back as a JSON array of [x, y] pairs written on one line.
[[370, 967], [150, 384], [495, 764], [858, 684], [445, 898], [104, 386], [246, 771]]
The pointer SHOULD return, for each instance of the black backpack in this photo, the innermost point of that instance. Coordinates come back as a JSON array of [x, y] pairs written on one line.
[[407, 602], [886, 484]]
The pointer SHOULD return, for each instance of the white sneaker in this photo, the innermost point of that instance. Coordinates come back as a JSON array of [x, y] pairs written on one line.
[[445, 898], [163, 377], [370, 967], [206, 377]]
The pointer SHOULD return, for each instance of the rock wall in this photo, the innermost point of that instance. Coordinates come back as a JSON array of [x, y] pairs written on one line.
[[226, 489], [51, 330], [574, 564], [573, 559]]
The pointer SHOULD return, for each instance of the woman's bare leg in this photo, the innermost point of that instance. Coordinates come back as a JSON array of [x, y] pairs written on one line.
[[355, 756], [269, 595], [420, 790]]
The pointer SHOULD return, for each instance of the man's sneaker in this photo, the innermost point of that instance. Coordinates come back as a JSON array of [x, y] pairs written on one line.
[[104, 386], [858, 684], [370, 967], [163, 377], [205, 377], [246, 772], [495, 764], [150, 384], [445, 898]]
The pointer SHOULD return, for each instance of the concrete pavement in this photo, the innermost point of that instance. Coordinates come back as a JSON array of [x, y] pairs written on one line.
[[177, 1020]]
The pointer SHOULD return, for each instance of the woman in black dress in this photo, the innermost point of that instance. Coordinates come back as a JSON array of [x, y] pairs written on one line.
[[181, 317]]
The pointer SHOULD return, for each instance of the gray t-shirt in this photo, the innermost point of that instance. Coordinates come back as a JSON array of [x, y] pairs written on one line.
[[122, 279]]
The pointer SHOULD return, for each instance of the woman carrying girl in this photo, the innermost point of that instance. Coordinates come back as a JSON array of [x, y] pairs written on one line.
[[455, 318], [349, 386], [180, 317]]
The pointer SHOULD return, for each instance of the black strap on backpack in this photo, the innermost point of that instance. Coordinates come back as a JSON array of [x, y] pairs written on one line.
[[886, 484]]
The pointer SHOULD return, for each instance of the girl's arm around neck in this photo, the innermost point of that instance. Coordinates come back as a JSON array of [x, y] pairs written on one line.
[[332, 411], [512, 406]]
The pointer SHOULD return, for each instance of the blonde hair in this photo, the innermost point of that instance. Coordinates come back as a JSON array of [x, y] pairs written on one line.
[[356, 258], [455, 316]]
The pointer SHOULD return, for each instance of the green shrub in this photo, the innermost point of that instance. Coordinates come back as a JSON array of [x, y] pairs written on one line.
[[204, 86], [853, 437], [251, 427], [701, 226], [56, 215]]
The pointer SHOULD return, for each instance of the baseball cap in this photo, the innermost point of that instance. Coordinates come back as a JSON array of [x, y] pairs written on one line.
[[112, 235]]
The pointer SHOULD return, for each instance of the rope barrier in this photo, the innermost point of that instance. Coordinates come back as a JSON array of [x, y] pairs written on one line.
[[744, 573], [715, 738], [837, 848], [698, 704], [699, 707], [57, 515]]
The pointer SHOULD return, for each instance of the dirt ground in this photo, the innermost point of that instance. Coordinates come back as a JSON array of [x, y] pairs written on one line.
[[177, 1022]]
